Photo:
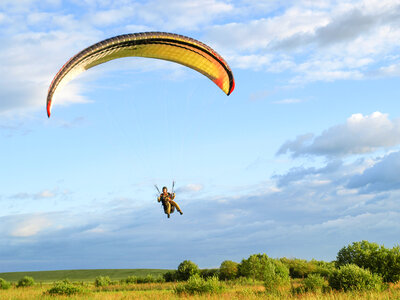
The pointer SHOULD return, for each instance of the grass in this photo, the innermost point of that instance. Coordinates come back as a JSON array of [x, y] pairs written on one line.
[[166, 291], [240, 290], [81, 275]]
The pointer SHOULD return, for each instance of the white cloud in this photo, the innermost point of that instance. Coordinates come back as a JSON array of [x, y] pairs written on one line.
[[304, 208], [38, 41], [383, 176], [31, 59], [306, 39], [338, 40], [360, 134], [30, 227], [390, 70]]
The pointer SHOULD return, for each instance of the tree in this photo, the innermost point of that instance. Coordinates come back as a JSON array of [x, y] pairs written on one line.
[[25, 281], [187, 269], [261, 267], [228, 270], [378, 259], [353, 278]]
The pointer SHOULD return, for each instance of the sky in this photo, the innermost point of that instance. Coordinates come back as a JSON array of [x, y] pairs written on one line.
[[302, 159]]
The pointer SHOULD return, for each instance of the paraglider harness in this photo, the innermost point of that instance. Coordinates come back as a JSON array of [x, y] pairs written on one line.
[[165, 199]]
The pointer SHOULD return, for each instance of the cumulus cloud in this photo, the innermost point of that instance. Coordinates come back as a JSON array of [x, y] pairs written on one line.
[[234, 228], [360, 134], [31, 58], [36, 42], [327, 41], [383, 176], [30, 226], [337, 40], [297, 174]]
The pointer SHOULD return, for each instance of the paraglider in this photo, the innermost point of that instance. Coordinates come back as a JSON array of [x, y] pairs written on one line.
[[167, 201], [160, 45], [166, 46]]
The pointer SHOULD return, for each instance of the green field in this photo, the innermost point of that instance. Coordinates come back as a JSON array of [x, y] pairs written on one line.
[[234, 289], [81, 275], [166, 291]]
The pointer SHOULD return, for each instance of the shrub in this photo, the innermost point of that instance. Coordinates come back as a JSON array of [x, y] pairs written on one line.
[[353, 278], [323, 268], [207, 273], [298, 268], [315, 283], [301, 268], [228, 270], [26, 281], [102, 281], [198, 285], [276, 278], [65, 288], [4, 285], [371, 256], [260, 267], [186, 269], [170, 276], [130, 279], [149, 279]]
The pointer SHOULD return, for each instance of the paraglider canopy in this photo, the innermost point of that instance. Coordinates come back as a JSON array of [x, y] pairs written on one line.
[[167, 46]]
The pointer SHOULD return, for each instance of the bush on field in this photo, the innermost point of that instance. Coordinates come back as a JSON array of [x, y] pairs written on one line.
[[102, 281], [323, 268], [186, 269], [315, 283], [149, 279], [298, 268], [207, 273], [353, 278], [301, 268], [26, 281], [65, 288], [371, 256], [276, 277], [170, 276], [198, 285], [228, 270], [131, 279], [260, 267], [4, 285]]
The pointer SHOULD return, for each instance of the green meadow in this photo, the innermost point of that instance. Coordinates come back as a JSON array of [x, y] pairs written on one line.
[[362, 270], [81, 275]]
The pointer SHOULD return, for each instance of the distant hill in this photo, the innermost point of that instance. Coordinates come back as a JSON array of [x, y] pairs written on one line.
[[81, 275]]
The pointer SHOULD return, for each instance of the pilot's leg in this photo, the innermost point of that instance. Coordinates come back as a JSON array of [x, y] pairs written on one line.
[[173, 203], [168, 209]]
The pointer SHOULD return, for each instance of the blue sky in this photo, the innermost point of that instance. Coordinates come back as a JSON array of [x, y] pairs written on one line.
[[300, 160]]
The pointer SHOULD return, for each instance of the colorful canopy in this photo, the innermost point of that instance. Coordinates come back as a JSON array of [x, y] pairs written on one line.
[[167, 46]]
